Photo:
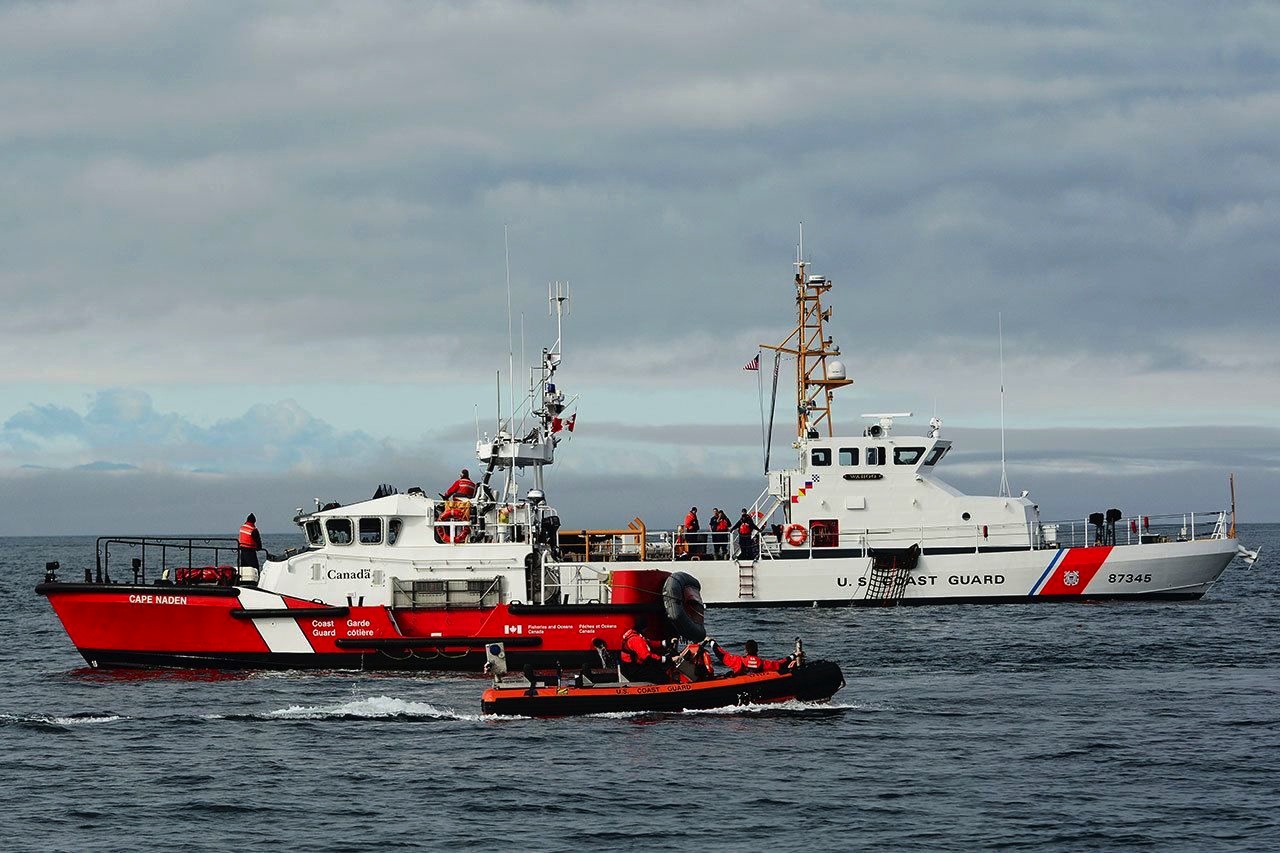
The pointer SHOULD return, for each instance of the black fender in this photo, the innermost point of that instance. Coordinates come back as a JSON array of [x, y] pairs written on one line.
[[682, 601]]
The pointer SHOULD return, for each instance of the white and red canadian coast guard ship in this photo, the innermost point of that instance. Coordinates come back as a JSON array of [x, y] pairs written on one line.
[[399, 581]]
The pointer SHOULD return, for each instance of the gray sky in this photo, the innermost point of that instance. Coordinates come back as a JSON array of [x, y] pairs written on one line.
[[254, 253]]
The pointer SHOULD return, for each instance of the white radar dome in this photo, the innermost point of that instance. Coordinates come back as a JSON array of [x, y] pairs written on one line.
[[835, 369]]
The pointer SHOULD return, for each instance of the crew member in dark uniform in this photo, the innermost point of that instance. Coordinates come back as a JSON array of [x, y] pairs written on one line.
[[720, 535], [692, 536], [250, 541], [746, 526]]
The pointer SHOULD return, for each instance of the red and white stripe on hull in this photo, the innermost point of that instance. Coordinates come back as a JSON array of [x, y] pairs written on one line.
[[1070, 571], [242, 627], [281, 635]]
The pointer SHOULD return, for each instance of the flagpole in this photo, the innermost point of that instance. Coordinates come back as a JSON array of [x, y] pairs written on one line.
[[773, 408], [764, 436]]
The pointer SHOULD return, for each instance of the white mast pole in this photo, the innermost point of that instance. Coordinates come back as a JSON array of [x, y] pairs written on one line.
[[528, 384], [511, 359], [511, 365], [1004, 475]]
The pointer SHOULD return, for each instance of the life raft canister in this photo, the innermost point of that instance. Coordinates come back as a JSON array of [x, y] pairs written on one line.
[[682, 601], [796, 535]]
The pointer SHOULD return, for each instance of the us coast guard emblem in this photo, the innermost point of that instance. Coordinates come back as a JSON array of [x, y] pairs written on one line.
[[1071, 578]]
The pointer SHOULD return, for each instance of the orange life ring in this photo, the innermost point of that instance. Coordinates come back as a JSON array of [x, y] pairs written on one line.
[[796, 535], [454, 535]]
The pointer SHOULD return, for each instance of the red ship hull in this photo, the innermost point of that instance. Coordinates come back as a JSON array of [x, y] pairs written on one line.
[[227, 627]]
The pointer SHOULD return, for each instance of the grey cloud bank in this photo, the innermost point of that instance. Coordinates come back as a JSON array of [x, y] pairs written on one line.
[[122, 464], [311, 193]]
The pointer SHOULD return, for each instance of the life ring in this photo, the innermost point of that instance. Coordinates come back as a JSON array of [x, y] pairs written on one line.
[[796, 535], [682, 600], [456, 533]]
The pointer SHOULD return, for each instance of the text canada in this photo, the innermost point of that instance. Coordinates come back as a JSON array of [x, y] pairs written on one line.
[[361, 575]]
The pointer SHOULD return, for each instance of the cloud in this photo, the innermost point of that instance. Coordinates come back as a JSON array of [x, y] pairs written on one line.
[[214, 194], [122, 430], [66, 502]]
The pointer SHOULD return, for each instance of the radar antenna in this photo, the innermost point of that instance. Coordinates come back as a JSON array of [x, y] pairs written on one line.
[[816, 378]]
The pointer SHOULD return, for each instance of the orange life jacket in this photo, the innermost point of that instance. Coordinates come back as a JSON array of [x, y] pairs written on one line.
[[749, 663], [701, 659], [635, 648], [247, 536]]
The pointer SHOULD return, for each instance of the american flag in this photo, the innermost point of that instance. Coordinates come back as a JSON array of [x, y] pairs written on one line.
[[753, 364]]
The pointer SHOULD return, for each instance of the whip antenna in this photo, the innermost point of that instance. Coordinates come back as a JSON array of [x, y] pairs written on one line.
[[1004, 475]]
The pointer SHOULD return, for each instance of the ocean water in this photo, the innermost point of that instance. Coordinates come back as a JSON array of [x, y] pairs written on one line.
[[1152, 726]]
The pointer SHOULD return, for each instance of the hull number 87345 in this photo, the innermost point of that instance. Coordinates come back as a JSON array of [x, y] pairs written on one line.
[[1126, 578]]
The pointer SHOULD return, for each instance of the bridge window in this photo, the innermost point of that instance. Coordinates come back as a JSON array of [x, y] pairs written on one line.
[[875, 455], [339, 530], [370, 531], [848, 456], [393, 530], [820, 456], [314, 534], [936, 454], [907, 455]]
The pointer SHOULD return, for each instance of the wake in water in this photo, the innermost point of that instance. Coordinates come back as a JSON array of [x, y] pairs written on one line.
[[371, 708], [790, 708], [391, 708], [45, 722]]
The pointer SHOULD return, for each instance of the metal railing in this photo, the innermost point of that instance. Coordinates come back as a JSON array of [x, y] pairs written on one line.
[[629, 543], [439, 594], [1133, 530], [574, 583], [1137, 530], [161, 553], [660, 545]]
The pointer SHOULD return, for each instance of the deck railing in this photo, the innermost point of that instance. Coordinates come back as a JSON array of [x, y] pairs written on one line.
[[574, 583], [1134, 530], [160, 554]]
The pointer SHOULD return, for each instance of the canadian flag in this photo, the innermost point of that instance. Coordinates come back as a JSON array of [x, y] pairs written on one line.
[[557, 424]]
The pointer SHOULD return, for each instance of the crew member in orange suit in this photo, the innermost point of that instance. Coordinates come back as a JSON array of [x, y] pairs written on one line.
[[751, 661], [643, 659], [462, 487]]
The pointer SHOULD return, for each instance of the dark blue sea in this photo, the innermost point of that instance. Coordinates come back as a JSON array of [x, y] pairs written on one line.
[[1049, 727]]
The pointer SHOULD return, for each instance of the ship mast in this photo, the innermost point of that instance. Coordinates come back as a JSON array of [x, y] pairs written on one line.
[[816, 378]]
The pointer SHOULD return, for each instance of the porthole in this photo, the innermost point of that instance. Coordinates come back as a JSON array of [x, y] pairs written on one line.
[[965, 517]]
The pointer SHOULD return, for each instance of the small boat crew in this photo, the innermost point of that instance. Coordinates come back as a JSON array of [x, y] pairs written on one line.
[[751, 660], [535, 696]]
